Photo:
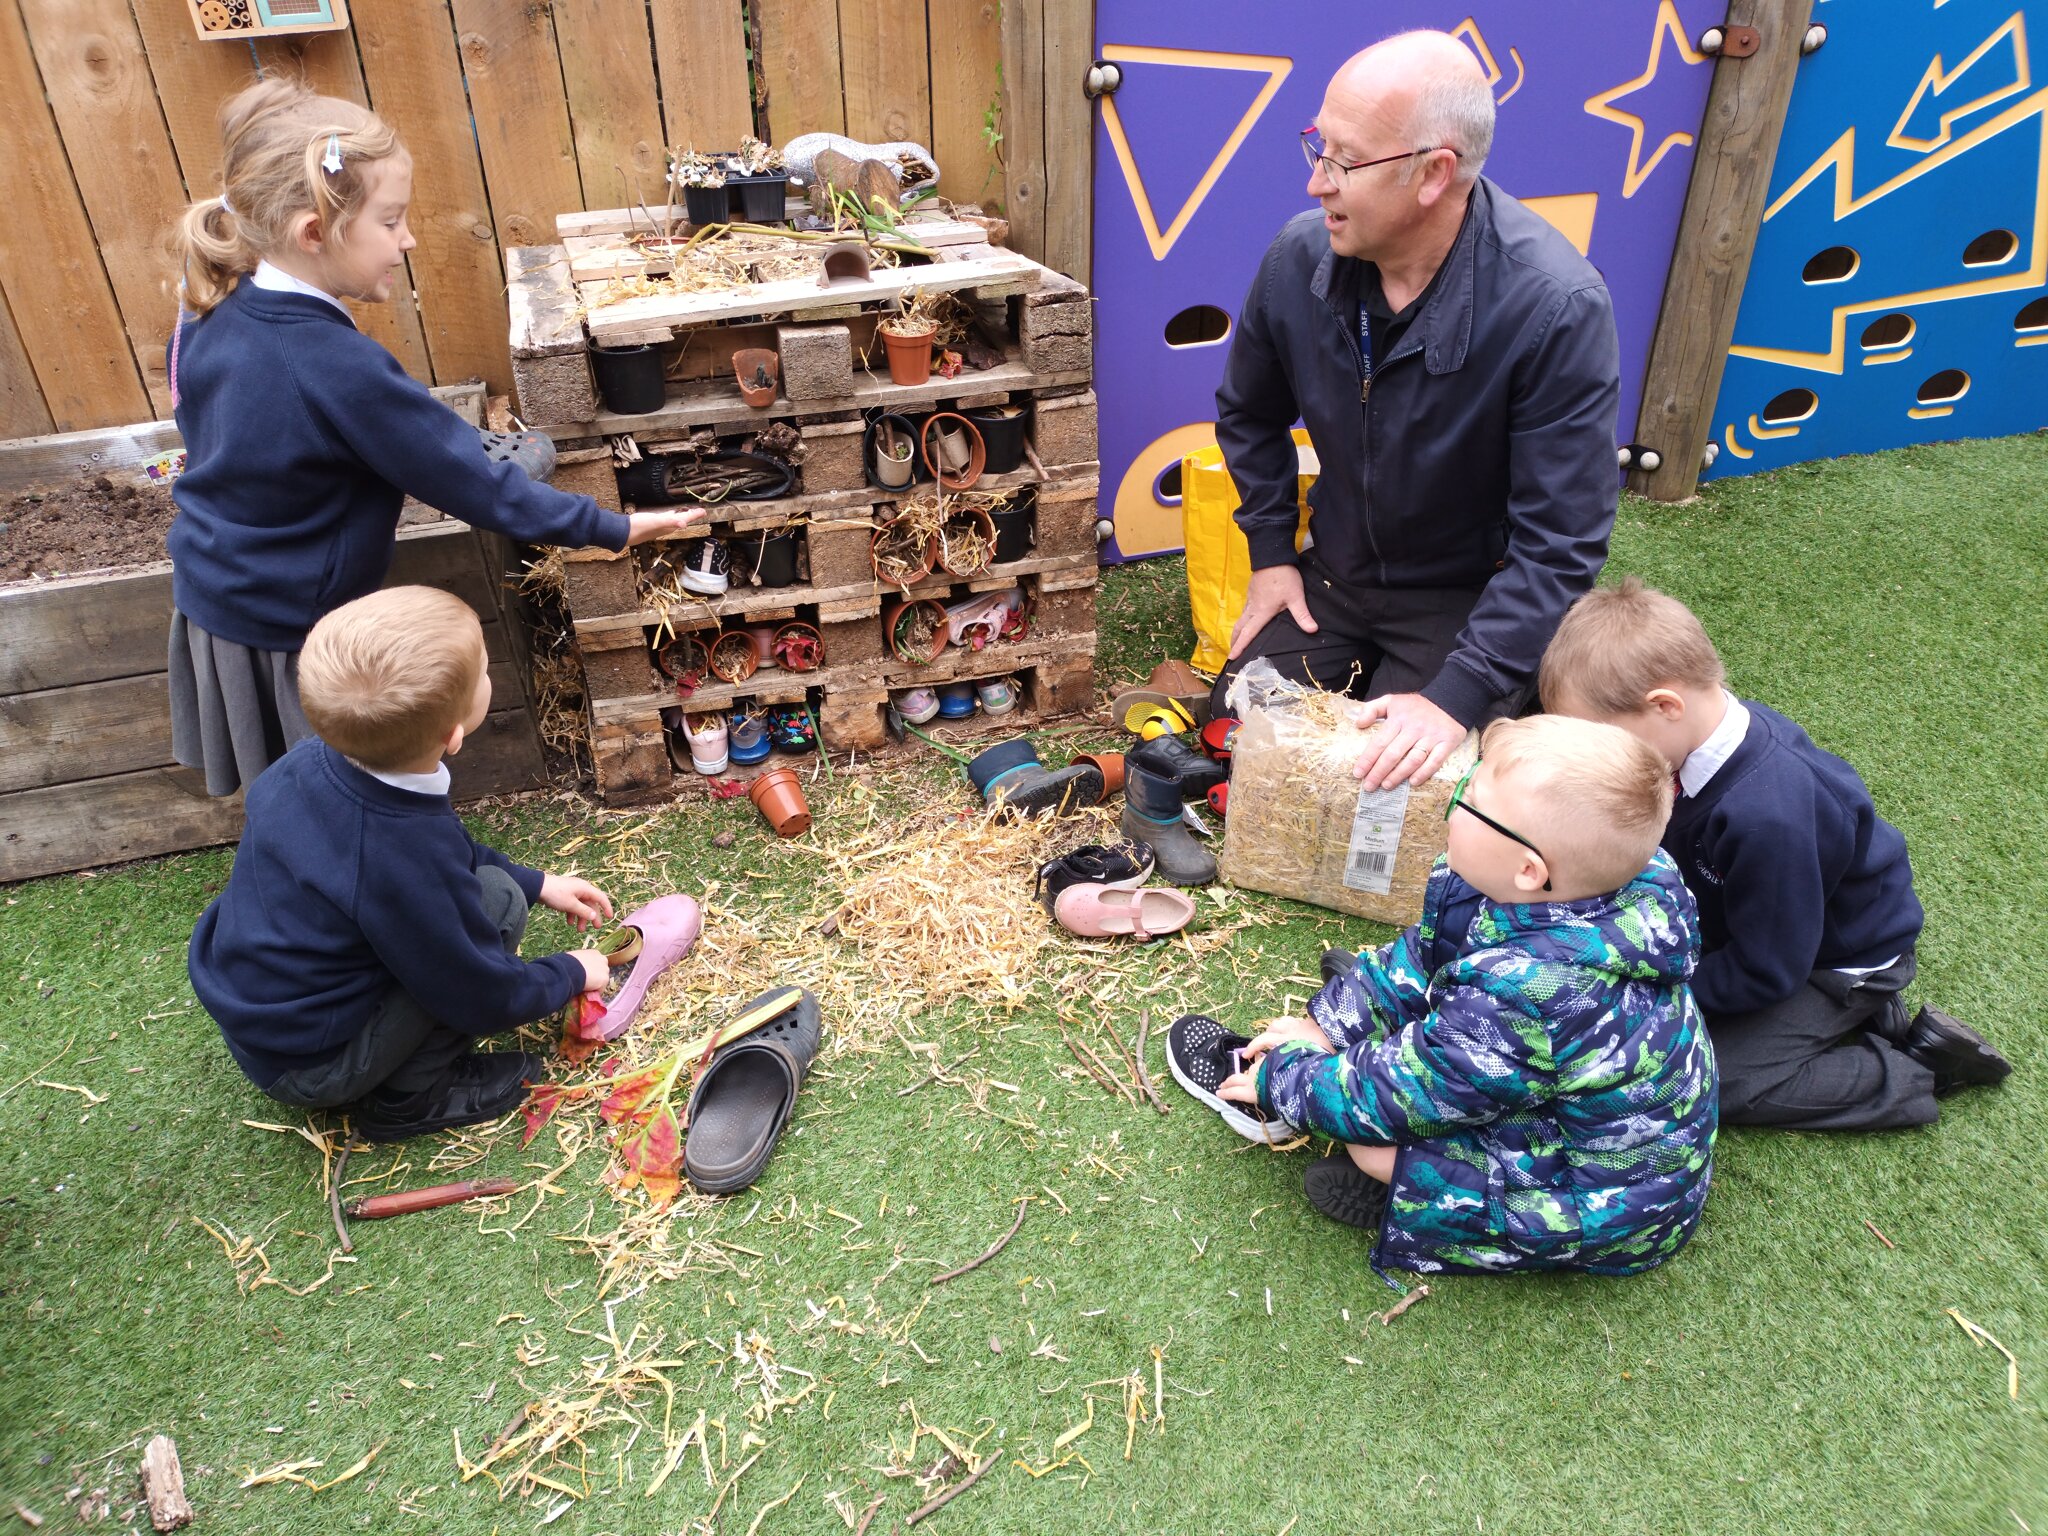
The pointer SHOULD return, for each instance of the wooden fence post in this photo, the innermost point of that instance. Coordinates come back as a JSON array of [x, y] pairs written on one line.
[[1717, 233]]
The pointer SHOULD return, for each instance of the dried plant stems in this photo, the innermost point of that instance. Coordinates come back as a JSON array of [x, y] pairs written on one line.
[[932, 1506]]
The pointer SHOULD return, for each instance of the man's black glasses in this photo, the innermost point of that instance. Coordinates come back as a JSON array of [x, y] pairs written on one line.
[[1312, 150]]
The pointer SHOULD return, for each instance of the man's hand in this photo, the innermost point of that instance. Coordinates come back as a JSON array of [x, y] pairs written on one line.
[[1243, 1087], [596, 969], [576, 899], [1417, 739], [1275, 588], [661, 525]]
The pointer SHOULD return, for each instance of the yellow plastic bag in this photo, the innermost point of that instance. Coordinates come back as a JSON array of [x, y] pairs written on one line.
[[1219, 559]]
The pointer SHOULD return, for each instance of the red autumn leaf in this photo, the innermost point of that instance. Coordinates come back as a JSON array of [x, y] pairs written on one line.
[[589, 1021], [655, 1148], [629, 1098], [540, 1108], [727, 789], [662, 1188], [576, 1050]]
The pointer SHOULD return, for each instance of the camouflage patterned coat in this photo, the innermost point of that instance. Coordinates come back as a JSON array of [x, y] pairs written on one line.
[[1546, 1078]]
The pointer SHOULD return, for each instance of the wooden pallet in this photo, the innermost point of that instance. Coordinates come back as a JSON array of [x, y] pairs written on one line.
[[1045, 325]]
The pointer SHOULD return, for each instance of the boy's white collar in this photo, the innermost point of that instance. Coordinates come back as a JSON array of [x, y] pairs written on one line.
[[435, 783], [1706, 759]]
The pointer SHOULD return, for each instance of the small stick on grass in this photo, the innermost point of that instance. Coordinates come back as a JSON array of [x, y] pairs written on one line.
[[1144, 1077], [868, 1518], [334, 1194], [954, 1274], [1092, 1067], [1877, 1234], [932, 1506], [1403, 1304]]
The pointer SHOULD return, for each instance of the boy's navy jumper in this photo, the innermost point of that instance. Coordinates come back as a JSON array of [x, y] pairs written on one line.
[[302, 439], [344, 887], [1808, 923]]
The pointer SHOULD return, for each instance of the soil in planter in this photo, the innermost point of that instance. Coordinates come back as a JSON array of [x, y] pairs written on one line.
[[88, 526]]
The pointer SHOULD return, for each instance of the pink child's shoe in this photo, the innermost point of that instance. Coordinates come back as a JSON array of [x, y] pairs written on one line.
[[1098, 911], [668, 926]]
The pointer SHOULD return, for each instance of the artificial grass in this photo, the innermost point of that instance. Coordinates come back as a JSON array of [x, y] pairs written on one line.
[[1787, 1372]]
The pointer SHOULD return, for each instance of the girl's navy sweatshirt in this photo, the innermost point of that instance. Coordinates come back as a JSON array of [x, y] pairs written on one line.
[[1792, 869], [342, 887], [303, 438]]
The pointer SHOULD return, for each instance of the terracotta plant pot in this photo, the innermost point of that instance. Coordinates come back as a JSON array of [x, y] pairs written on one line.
[[798, 647], [685, 660], [757, 369], [779, 796], [897, 613], [896, 565], [1110, 765], [967, 543], [733, 657], [910, 357], [953, 450]]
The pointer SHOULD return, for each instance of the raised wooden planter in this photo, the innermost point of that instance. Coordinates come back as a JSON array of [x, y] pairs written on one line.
[[86, 775]]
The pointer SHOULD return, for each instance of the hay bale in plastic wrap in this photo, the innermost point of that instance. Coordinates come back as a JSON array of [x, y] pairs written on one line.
[[1300, 824]]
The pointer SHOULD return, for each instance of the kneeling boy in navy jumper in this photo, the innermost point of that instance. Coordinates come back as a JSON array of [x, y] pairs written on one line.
[[1807, 912], [365, 941]]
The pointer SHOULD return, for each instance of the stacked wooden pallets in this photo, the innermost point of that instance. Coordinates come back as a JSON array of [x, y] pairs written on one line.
[[565, 298]]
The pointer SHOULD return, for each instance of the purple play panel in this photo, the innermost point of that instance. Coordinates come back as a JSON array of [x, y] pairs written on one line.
[[1600, 102]]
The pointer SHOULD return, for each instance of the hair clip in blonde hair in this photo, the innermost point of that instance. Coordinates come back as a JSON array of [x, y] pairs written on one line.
[[331, 161]]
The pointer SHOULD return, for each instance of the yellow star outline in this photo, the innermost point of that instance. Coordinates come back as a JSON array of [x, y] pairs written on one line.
[[1603, 106]]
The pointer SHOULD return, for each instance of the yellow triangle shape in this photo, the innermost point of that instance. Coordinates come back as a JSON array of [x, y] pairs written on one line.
[[1276, 70]]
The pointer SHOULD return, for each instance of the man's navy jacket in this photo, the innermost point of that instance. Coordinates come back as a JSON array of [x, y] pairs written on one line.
[[1483, 455]]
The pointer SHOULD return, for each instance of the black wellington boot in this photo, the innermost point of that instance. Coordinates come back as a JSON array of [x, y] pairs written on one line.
[[1152, 817], [1011, 775]]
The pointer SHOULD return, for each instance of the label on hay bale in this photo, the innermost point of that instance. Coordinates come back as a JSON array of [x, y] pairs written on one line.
[[1301, 827]]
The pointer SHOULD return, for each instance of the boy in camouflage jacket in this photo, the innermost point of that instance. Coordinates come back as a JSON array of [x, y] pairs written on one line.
[[1536, 1091]]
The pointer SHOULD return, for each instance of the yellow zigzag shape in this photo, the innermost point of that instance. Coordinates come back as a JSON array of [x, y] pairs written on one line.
[[1939, 81]]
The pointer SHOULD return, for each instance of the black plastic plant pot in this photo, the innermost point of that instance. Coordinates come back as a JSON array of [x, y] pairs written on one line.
[[707, 205], [1002, 432], [629, 378], [1013, 533], [645, 482], [764, 199], [772, 558]]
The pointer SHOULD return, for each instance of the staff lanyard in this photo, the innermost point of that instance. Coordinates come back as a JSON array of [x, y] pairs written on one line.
[[1364, 352]]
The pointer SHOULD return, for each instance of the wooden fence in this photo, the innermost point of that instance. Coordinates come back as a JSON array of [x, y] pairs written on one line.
[[515, 111]]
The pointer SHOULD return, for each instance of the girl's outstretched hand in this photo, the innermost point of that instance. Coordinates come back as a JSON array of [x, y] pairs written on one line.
[[661, 525], [576, 899]]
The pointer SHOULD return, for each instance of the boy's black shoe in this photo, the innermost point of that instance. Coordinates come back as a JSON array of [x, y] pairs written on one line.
[[476, 1089], [1956, 1054], [1344, 1192], [1198, 1054]]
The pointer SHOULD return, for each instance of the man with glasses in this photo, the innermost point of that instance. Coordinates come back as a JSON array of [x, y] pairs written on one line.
[[1454, 360]]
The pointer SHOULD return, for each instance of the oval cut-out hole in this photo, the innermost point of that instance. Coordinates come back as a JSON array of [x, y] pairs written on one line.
[[1993, 248], [1166, 489], [1792, 405], [1888, 331], [1949, 384], [1200, 325], [2033, 316], [1831, 265]]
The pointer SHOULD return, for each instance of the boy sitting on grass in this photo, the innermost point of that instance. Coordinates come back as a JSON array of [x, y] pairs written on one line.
[[365, 941], [1807, 911], [1536, 1091]]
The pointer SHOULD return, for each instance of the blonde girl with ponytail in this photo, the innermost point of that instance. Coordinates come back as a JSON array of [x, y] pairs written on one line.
[[303, 436]]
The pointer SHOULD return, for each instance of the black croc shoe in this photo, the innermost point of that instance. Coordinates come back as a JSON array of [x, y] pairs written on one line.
[[745, 1096], [1345, 1192]]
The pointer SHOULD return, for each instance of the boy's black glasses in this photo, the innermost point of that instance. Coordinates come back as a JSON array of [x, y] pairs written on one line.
[[1458, 803]]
